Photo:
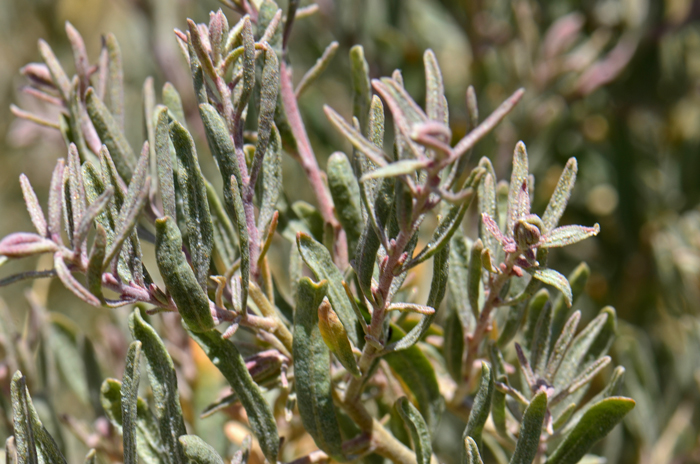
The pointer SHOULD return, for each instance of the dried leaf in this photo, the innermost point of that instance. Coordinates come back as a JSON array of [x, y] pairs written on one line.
[[336, 337]]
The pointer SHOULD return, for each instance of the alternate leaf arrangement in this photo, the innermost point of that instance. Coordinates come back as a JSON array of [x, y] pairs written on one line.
[[353, 339]]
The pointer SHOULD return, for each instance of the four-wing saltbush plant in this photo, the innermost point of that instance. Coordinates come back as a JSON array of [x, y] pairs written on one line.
[[348, 348]]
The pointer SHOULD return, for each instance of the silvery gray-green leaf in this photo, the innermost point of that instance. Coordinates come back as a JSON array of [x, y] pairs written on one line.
[[518, 177], [33, 442], [539, 347], [33, 206], [312, 370], [198, 451], [317, 69], [481, 406], [361, 90], [191, 300], [530, 429], [596, 423], [163, 380], [111, 135], [561, 195], [270, 183], [420, 436], [115, 86], [470, 452], [435, 101], [173, 101], [474, 277], [164, 161], [317, 257], [345, 191], [129, 400], [555, 279], [200, 232], [577, 279], [149, 445], [229, 361]]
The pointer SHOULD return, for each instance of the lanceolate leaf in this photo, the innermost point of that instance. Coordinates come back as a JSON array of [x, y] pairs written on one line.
[[361, 90], [312, 370], [399, 168], [270, 184], [129, 400], [191, 300], [229, 361], [567, 235], [115, 88], [317, 257], [598, 421], [33, 206], [553, 278], [481, 406], [561, 195], [33, 442], [435, 102], [529, 440], [163, 380], [417, 428], [96, 262], [198, 451], [111, 135], [268, 101], [200, 231]]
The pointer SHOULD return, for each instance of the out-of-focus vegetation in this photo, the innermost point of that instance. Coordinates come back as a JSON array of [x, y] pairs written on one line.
[[615, 83]]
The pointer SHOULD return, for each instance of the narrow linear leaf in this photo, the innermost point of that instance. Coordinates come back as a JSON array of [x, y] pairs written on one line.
[[345, 191], [129, 400], [270, 185], [361, 144], [481, 406], [96, 263], [115, 87], [399, 168], [269, 87], [560, 197], [243, 240], [317, 69], [529, 440], [164, 162], [33, 442], [577, 279], [568, 235], [336, 338], [200, 231], [420, 436], [435, 102], [55, 202], [111, 135], [229, 361], [163, 380], [58, 75], [361, 89], [561, 346], [33, 206]]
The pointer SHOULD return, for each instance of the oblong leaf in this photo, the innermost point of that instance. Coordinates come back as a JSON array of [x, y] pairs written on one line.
[[560, 197], [345, 191], [129, 400], [553, 278]]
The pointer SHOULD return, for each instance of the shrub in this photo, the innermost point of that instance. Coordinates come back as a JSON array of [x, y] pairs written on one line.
[[347, 353]]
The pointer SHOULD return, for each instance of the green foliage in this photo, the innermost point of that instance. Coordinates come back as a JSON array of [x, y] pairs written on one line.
[[332, 352]]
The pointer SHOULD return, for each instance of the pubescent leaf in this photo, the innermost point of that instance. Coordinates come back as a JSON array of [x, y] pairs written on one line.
[[312, 370], [530, 430], [417, 428], [198, 451], [481, 406]]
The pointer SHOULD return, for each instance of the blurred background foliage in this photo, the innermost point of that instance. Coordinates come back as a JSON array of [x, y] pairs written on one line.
[[615, 83]]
